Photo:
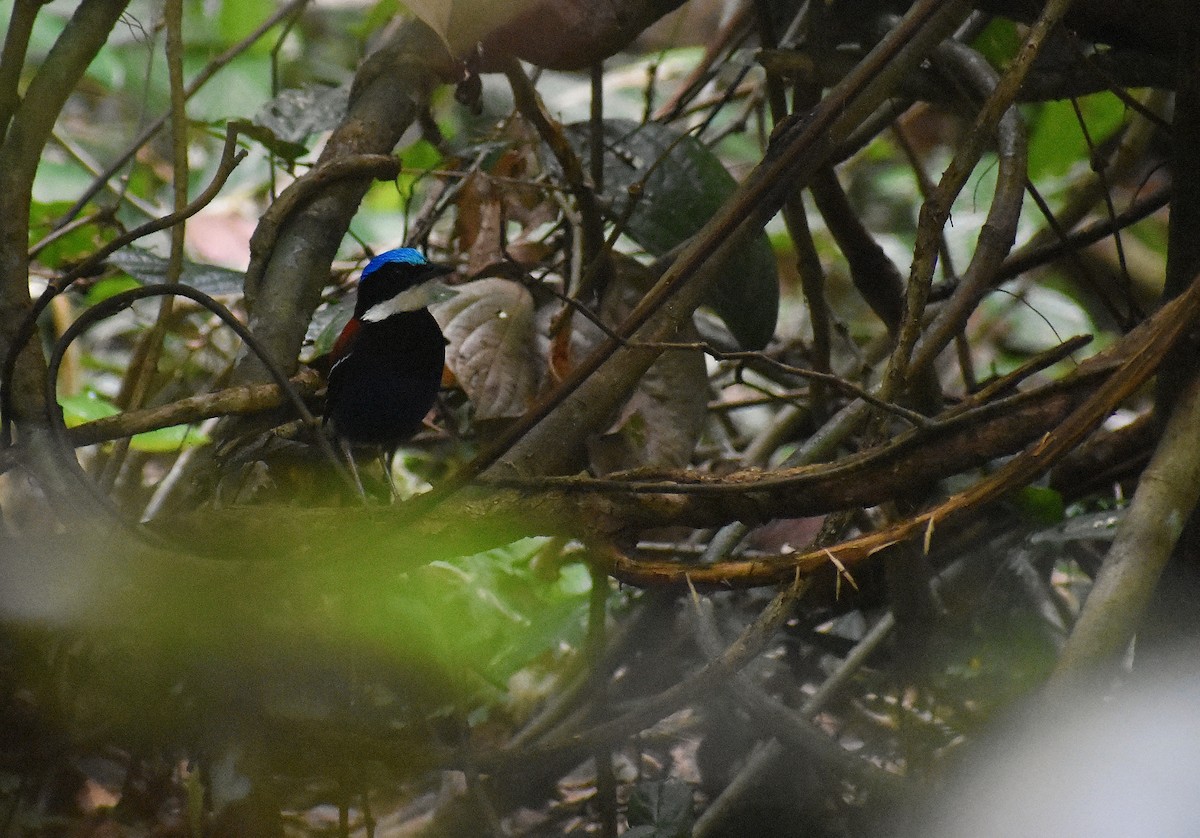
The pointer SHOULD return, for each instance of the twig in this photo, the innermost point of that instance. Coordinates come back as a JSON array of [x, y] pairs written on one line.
[[798, 149], [29, 130], [999, 230], [146, 354], [119, 302], [120, 191], [764, 760], [1153, 340], [233, 401], [914, 418], [997, 118], [606, 780], [956, 435], [302, 190], [230, 157], [734, 31], [102, 215], [530, 105], [201, 79], [812, 284], [788, 725], [873, 273], [1027, 258], [745, 648], [12, 60], [172, 478]]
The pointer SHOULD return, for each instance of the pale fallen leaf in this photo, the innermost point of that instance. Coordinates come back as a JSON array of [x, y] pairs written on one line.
[[490, 327], [461, 24]]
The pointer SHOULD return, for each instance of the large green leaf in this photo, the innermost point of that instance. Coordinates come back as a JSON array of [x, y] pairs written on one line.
[[660, 810], [683, 184], [1057, 140], [150, 268]]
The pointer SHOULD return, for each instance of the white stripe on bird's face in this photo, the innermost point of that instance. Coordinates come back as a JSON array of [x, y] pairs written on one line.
[[411, 299]]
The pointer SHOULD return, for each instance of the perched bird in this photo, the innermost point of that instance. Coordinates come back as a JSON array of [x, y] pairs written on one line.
[[386, 365]]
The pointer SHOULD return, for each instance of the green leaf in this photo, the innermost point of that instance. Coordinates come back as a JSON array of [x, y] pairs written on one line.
[[374, 18], [167, 440], [1056, 140], [661, 810], [419, 157], [109, 287], [149, 268], [238, 19], [999, 42], [58, 178], [85, 407], [68, 247], [490, 611], [296, 113], [1043, 505], [683, 185], [243, 87]]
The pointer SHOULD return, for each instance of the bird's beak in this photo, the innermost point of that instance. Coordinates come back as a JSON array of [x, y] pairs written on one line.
[[432, 291]]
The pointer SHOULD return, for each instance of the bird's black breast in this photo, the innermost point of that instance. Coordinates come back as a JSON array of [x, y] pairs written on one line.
[[380, 391]]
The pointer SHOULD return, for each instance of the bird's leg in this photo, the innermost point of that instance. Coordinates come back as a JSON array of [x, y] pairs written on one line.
[[345, 445], [386, 456]]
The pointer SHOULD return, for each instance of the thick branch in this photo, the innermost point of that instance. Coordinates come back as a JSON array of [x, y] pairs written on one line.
[[586, 397], [1166, 495], [290, 265], [19, 158], [1143, 351], [12, 60]]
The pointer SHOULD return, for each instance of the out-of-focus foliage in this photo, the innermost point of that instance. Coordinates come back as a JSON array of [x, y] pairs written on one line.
[[664, 186], [259, 631]]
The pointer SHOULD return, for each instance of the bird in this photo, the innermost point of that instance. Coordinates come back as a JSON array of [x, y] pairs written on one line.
[[386, 365]]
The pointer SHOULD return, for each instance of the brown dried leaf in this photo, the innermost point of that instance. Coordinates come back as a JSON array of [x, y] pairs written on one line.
[[662, 421], [490, 327]]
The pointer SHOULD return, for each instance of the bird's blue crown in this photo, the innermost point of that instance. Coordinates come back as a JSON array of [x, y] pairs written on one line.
[[401, 256]]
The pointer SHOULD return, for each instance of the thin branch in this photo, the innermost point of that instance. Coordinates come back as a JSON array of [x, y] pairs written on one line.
[[788, 725], [12, 60], [119, 302], [148, 350], [1167, 493], [1030, 257], [531, 107], [799, 147], [1144, 354], [230, 157], [748, 645], [997, 118], [913, 417], [28, 132], [232, 401], [202, 78]]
